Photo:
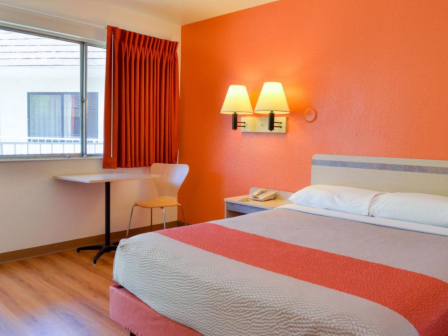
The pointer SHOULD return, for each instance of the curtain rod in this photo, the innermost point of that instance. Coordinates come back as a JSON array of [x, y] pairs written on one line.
[[52, 16]]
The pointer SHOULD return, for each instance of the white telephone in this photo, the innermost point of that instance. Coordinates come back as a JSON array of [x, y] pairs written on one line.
[[263, 195]]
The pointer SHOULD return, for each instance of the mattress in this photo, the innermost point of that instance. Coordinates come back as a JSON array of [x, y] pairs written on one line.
[[287, 272]]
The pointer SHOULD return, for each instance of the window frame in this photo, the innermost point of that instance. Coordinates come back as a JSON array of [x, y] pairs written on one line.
[[83, 47]]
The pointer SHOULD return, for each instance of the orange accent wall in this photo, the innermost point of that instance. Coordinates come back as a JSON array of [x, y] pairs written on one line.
[[376, 71]]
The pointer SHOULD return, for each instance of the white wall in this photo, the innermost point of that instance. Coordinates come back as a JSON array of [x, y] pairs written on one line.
[[37, 210]]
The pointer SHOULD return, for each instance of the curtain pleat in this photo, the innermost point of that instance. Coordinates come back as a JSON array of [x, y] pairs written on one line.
[[141, 119]]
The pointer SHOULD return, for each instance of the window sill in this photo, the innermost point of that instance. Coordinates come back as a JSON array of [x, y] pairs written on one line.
[[59, 158]]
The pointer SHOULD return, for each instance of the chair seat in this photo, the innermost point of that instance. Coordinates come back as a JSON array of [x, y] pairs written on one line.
[[159, 202]]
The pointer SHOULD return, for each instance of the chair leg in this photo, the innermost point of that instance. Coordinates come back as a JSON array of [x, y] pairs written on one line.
[[183, 214], [151, 222], [130, 219], [164, 221]]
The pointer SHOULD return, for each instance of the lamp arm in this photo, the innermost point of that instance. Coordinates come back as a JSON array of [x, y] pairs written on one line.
[[272, 123], [236, 123]]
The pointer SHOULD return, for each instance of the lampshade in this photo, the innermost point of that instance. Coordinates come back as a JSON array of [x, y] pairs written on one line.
[[272, 99], [237, 101]]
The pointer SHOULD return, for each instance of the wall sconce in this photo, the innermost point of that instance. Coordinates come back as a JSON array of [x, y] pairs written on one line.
[[272, 101], [237, 102]]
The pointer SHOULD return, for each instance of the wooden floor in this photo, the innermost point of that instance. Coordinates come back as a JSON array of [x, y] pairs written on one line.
[[59, 294]]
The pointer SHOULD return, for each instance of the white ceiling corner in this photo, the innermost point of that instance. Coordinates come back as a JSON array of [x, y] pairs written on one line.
[[186, 11]]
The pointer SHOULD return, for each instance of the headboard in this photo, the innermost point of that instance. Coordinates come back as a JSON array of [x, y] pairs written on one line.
[[382, 174]]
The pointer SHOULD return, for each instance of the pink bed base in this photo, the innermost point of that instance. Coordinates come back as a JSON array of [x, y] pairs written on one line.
[[140, 319]]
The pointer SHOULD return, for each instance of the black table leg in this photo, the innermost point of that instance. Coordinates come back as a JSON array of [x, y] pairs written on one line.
[[107, 213], [107, 247]]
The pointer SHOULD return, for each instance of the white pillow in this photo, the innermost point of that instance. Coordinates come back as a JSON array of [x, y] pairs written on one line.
[[346, 199], [417, 208]]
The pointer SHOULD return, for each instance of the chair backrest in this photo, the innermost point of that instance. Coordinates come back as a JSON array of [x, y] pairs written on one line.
[[171, 177]]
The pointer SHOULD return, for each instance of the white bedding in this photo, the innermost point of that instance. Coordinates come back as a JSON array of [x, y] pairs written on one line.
[[370, 220]]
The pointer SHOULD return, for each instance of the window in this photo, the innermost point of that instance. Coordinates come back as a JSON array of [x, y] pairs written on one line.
[[43, 81], [58, 115]]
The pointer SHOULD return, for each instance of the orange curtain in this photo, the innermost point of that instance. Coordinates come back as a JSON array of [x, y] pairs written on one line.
[[142, 86]]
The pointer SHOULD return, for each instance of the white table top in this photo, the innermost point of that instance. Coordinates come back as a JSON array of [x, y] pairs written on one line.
[[107, 177]]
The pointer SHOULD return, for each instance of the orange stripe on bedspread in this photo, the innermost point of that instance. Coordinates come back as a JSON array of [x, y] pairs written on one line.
[[421, 299]]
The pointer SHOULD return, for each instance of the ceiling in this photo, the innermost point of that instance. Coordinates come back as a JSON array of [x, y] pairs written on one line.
[[186, 11]]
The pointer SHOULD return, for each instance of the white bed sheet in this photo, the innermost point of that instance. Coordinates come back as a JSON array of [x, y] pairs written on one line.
[[396, 224]]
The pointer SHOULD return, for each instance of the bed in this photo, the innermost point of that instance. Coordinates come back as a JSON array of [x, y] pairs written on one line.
[[294, 270]]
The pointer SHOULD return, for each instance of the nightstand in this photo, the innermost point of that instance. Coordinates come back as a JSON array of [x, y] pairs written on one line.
[[234, 207]]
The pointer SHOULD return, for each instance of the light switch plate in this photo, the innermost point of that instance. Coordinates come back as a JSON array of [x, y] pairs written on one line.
[[260, 125]]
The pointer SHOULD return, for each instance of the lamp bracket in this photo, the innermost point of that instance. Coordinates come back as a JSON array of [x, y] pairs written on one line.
[[260, 125]]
